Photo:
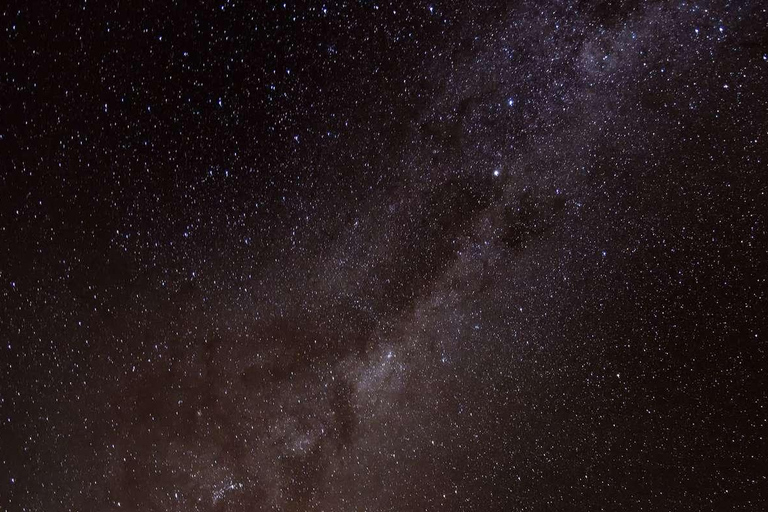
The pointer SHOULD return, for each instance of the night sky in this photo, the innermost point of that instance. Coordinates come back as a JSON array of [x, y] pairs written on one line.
[[376, 256]]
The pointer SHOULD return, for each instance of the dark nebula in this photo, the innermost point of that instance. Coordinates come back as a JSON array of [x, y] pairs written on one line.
[[374, 256]]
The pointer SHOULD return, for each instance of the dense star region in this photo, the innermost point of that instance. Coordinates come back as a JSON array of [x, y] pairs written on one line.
[[384, 256]]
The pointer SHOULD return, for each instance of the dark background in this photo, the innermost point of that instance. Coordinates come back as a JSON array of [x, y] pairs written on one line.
[[378, 256]]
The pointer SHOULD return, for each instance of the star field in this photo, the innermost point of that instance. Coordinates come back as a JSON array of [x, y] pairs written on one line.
[[384, 256]]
